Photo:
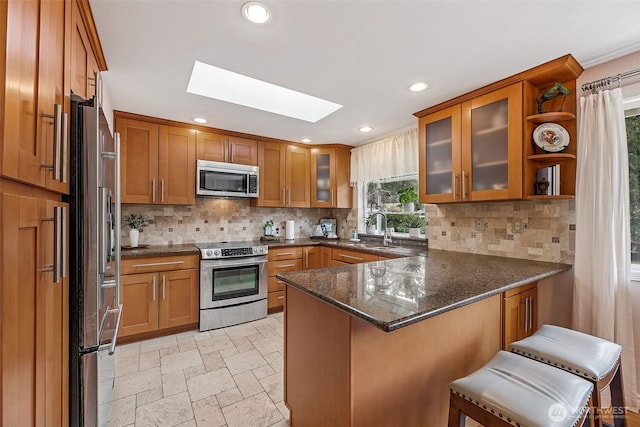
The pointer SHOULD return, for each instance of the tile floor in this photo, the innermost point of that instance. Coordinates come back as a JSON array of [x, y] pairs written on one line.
[[221, 378]]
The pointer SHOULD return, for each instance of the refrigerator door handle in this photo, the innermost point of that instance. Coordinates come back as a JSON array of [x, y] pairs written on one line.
[[112, 345], [117, 220]]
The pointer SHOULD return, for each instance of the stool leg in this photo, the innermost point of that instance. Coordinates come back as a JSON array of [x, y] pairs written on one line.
[[617, 400], [456, 418]]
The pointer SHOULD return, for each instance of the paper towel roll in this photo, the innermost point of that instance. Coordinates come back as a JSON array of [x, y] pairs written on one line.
[[288, 231]]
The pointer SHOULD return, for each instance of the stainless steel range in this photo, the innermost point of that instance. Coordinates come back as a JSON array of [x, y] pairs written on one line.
[[233, 283]]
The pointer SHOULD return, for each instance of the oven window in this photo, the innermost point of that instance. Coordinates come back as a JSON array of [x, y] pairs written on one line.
[[234, 282], [222, 181]]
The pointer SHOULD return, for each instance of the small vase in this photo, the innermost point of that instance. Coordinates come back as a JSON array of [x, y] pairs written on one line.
[[134, 235]]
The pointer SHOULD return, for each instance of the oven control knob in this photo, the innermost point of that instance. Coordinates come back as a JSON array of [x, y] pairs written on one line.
[[259, 250], [208, 253], [216, 252]]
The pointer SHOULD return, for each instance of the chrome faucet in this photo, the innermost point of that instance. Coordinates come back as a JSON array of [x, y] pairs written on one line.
[[386, 238]]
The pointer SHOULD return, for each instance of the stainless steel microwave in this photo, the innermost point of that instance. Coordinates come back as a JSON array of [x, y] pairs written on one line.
[[219, 179]]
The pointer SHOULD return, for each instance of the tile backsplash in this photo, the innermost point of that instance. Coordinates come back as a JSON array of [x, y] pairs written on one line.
[[547, 229], [216, 220]]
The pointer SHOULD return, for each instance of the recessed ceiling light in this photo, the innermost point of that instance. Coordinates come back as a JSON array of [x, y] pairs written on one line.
[[418, 87], [305, 140], [200, 120], [256, 12], [366, 129], [217, 83]]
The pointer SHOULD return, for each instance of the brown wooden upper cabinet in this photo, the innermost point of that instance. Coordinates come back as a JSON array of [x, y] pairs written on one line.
[[330, 178], [479, 146], [284, 175], [35, 109], [157, 162], [473, 151], [83, 64], [223, 148]]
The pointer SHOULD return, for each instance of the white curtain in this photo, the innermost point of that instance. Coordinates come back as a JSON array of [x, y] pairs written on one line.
[[602, 299], [390, 157]]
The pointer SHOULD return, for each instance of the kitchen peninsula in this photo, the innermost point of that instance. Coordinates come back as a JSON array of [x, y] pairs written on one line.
[[377, 344]]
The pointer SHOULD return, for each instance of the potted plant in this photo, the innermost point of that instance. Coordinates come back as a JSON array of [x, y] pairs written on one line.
[[408, 197], [415, 224], [135, 223]]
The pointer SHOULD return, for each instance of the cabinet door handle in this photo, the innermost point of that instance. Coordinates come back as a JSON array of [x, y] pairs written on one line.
[[464, 185], [164, 284], [351, 257], [59, 244], [530, 313], [162, 190], [284, 199], [57, 137], [153, 288], [289, 204], [306, 258], [155, 264], [331, 200], [526, 314], [153, 190], [65, 163], [454, 185], [285, 266]]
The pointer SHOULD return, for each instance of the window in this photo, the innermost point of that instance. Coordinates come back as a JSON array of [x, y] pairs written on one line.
[[398, 199], [632, 124]]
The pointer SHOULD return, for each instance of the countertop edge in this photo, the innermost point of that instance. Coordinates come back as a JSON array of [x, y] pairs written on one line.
[[406, 321]]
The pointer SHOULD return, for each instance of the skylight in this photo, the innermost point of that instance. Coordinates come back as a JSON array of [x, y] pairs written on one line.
[[217, 83]]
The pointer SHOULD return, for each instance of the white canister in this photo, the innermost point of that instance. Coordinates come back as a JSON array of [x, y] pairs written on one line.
[[288, 230]]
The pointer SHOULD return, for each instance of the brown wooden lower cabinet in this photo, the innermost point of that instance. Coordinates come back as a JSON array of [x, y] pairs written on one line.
[[159, 300], [34, 316], [519, 313], [342, 371]]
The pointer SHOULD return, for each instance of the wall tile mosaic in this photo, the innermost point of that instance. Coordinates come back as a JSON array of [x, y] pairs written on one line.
[[216, 220], [546, 229]]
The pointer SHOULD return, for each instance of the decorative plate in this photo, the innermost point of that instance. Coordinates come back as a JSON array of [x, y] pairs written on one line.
[[551, 137]]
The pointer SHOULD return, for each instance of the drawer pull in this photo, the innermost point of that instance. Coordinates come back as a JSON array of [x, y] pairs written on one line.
[[285, 253], [155, 264], [285, 266], [281, 297], [351, 257]]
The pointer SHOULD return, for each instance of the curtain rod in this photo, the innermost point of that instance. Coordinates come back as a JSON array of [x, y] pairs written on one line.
[[606, 82]]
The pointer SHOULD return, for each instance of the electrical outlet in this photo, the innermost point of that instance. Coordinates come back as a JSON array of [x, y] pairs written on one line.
[[517, 226], [479, 225]]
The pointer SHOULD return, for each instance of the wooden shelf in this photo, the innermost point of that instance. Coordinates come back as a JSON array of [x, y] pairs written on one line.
[[559, 116], [561, 196], [551, 157]]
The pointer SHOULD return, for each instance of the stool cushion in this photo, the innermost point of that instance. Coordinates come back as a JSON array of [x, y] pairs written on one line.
[[524, 392], [573, 351]]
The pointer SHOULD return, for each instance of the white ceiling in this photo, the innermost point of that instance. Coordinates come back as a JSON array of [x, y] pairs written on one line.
[[361, 54]]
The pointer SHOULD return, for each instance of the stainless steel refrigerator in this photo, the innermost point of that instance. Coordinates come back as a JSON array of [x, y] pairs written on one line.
[[94, 249]]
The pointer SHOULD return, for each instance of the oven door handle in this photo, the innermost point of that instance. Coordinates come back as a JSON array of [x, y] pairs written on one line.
[[232, 262]]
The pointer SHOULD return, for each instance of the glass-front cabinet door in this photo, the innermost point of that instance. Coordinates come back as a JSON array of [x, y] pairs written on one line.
[[323, 185], [492, 146], [473, 151], [440, 168]]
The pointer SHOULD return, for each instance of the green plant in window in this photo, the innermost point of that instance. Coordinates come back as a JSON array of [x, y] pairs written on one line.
[[408, 195]]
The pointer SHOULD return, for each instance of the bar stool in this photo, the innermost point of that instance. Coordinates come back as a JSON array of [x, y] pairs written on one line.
[[512, 390], [593, 358]]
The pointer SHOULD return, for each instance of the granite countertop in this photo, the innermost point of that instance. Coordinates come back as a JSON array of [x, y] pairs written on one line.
[[396, 293], [373, 247], [159, 250]]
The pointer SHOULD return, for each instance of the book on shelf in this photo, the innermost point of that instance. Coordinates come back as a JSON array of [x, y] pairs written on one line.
[[548, 181]]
